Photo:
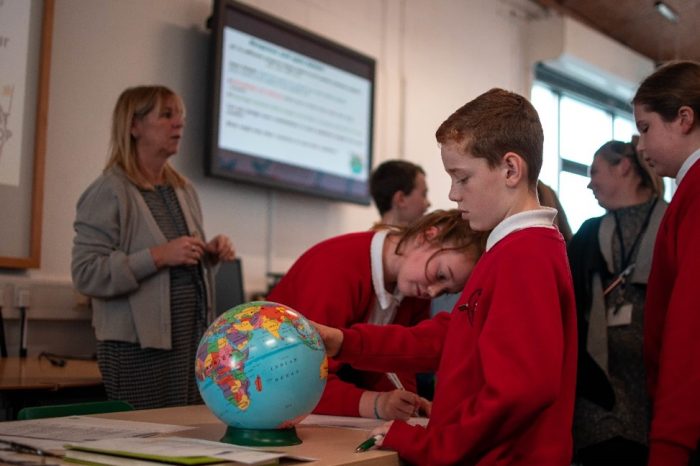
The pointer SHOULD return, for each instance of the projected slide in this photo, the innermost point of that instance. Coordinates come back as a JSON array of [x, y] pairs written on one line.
[[286, 107]]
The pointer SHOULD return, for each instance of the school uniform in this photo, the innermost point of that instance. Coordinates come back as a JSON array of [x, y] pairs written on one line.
[[506, 357], [339, 282], [672, 326]]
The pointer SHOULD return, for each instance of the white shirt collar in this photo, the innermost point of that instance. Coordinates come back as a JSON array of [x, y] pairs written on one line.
[[686, 166], [542, 217], [384, 298]]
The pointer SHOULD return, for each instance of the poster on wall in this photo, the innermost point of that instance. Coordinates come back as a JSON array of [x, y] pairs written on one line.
[[25, 52], [14, 47]]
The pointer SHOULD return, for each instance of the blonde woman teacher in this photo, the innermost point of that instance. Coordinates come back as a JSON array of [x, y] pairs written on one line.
[[140, 253]]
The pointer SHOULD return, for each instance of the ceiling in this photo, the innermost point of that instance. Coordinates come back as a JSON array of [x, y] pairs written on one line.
[[638, 25]]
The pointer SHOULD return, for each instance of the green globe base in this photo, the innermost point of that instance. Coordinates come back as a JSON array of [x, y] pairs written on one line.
[[261, 437]]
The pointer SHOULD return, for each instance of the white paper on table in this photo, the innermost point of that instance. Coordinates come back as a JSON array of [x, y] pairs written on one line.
[[183, 447], [53, 433], [347, 422], [55, 446]]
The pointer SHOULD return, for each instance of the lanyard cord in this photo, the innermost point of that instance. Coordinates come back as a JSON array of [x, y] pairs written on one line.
[[626, 258]]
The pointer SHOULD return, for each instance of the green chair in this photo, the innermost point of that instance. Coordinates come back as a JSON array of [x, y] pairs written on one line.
[[74, 409]]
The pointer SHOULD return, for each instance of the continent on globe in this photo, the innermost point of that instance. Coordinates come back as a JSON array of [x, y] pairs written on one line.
[[268, 346]]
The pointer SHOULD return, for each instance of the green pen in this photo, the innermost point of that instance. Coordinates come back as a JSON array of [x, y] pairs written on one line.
[[369, 443]]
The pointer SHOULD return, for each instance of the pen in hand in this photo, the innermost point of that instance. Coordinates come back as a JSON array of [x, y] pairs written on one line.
[[369, 443], [395, 380]]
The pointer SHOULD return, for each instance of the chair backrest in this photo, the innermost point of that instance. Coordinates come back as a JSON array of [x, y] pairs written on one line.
[[74, 409], [229, 286]]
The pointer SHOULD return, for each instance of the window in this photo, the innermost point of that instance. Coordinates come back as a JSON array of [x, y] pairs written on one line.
[[576, 122]]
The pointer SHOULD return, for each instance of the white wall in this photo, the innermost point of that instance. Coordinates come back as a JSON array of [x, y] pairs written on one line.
[[432, 56], [587, 56]]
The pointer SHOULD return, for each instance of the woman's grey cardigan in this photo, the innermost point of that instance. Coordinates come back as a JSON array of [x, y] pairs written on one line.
[[112, 262]]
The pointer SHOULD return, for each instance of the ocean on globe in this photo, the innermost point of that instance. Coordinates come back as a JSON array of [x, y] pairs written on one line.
[[261, 365]]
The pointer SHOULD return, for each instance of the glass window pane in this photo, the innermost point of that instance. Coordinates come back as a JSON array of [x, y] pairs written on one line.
[[578, 201], [583, 130], [624, 129], [547, 102]]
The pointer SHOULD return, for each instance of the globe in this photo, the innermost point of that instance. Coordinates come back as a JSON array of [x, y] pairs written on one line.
[[261, 367]]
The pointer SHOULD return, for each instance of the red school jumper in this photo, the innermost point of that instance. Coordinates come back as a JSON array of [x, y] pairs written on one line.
[[507, 361], [672, 329], [331, 284]]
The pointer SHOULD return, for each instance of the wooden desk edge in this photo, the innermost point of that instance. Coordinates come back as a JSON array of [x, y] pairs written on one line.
[[339, 444]]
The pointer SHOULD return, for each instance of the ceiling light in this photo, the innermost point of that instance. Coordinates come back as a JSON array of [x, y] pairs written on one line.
[[666, 11]]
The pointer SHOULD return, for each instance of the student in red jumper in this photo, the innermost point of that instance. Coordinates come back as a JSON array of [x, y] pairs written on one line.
[[506, 355], [667, 113], [385, 276], [399, 192]]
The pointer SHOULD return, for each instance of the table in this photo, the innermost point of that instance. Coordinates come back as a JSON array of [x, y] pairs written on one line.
[[333, 446], [32, 381], [32, 373]]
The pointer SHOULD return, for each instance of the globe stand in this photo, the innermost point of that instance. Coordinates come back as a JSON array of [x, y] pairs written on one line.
[[261, 437]]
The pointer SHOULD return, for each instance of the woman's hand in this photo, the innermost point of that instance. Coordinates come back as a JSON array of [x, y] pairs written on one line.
[[185, 250], [331, 336], [221, 248]]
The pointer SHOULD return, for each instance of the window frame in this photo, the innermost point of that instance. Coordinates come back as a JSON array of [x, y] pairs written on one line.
[[562, 86]]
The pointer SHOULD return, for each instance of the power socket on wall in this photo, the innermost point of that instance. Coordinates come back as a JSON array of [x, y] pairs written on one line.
[[48, 301]]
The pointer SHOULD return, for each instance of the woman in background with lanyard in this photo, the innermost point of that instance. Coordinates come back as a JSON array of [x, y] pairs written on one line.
[[610, 259]]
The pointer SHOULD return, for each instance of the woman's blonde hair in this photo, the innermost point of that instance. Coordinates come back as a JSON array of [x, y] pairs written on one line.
[[614, 151], [135, 103]]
